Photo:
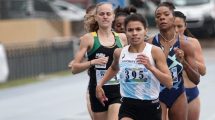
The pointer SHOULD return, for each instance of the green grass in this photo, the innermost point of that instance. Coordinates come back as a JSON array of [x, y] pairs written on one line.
[[31, 80]]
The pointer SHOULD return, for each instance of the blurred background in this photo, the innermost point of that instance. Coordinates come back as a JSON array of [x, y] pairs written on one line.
[[40, 37]]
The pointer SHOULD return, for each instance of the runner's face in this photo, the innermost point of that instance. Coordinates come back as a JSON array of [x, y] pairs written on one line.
[[135, 32], [119, 24], [104, 15], [164, 18], [180, 25]]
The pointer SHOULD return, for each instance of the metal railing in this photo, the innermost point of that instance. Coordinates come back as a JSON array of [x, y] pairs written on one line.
[[33, 60]]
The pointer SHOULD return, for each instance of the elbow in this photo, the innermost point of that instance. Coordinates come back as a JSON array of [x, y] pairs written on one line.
[[202, 69], [194, 78], [196, 81], [203, 72], [73, 70], [71, 67]]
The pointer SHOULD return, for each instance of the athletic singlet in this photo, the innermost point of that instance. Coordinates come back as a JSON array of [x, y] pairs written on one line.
[[174, 65], [136, 81], [96, 72]]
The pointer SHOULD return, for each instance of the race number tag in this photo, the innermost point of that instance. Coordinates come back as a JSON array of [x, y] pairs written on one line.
[[100, 74], [100, 66], [135, 75], [99, 55], [174, 74]]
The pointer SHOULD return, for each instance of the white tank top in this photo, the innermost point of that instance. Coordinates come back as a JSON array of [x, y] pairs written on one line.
[[136, 81]]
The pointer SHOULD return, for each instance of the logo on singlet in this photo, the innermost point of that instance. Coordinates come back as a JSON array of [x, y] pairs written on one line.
[[123, 56]]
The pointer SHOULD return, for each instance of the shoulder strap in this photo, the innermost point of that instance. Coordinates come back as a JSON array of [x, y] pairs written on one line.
[[155, 40], [96, 43], [178, 42], [148, 52], [148, 47], [124, 51], [185, 38], [118, 42]]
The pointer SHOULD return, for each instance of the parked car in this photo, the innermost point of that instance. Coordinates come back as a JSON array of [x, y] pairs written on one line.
[[67, 10], [11, 9], [200, 15]]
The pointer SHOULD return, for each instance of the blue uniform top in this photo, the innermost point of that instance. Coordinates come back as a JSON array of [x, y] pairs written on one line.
[[174, 65], [169, 96]]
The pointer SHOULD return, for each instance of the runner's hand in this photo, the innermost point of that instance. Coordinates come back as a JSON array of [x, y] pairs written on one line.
[[179, 54], [99, 61], [100, 94], [70, 64], [143, 59]]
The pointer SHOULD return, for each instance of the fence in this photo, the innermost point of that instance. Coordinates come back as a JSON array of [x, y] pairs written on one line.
[[32, 60]]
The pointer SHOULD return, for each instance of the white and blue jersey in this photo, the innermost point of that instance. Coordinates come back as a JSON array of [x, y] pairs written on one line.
[[136, 81]]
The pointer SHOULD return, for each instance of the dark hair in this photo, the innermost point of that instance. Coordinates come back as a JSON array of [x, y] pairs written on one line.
[[182, 16], [168, 5], [90, 8], [124, 11], [135, 17]]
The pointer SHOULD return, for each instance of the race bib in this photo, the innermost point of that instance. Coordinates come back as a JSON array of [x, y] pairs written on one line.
[[99, 55], [100, 74], [100, 66], [135, 75], [174, 74]]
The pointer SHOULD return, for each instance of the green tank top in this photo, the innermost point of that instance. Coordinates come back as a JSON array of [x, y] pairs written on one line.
[[96, 72]]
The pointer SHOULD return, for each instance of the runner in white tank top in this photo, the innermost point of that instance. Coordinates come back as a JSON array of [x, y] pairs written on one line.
[[142, 67], [136, 81]]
